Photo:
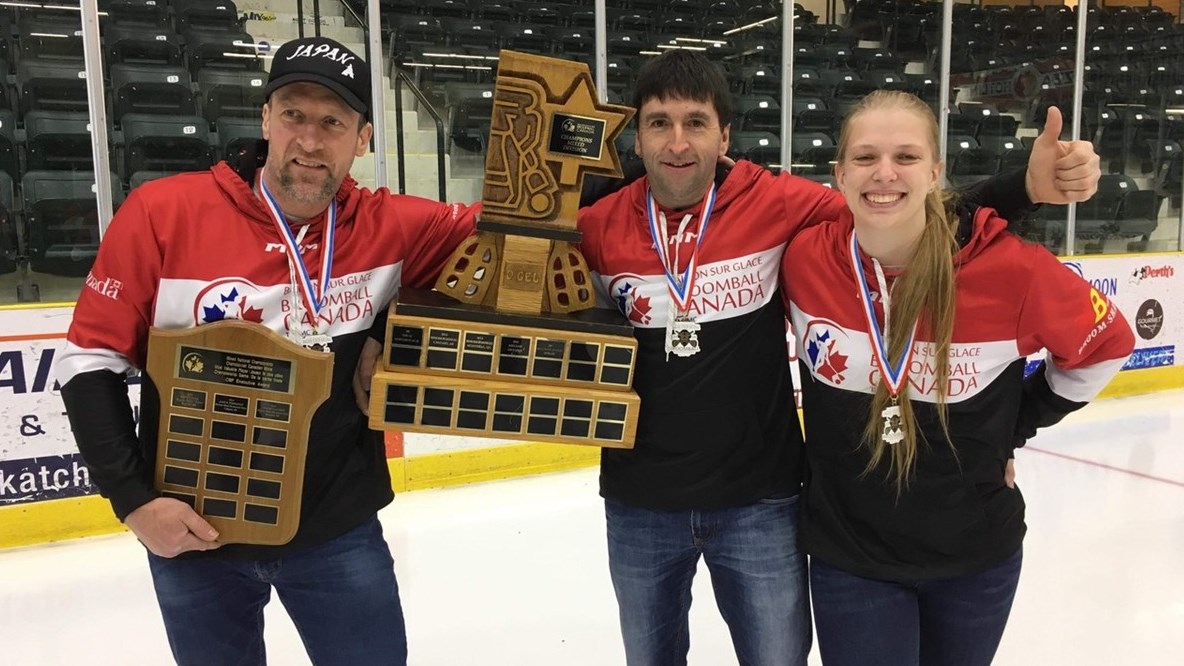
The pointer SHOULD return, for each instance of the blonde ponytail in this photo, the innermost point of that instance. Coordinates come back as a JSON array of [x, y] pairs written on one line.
[[923, 293]]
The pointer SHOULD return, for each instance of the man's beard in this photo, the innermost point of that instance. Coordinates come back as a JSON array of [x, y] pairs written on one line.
[[290, 187]]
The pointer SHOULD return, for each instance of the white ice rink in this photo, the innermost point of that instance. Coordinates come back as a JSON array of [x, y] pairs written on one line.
[[514, 572]]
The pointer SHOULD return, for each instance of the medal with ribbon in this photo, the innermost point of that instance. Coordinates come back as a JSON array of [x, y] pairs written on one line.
[[682, 332], [893, 375], [308, 298]]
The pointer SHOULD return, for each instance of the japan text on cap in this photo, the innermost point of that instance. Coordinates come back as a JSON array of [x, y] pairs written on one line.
[[324, 61]]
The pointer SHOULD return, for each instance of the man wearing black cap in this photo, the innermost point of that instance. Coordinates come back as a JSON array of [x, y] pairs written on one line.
[[280, 235]]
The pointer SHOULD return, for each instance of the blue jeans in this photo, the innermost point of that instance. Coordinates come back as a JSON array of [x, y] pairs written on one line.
[[866, 622], [757, 572], [341, 595]]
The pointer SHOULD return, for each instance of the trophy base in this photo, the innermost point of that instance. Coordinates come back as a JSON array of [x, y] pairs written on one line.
[[462, 369], [504, 410]]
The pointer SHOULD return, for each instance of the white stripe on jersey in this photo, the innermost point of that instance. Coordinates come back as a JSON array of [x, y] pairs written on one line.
[[74, 360], [1081, 384], [351, 301], [723, 290], [842, 358]]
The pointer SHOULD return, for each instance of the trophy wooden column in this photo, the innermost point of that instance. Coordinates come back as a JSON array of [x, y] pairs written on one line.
[[507, 345]]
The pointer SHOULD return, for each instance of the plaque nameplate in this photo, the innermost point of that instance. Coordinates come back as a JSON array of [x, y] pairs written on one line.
[[577, 136], [221, 367]]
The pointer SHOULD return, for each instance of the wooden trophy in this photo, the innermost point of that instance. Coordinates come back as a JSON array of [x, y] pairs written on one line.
[[508, 345], [233, 432]]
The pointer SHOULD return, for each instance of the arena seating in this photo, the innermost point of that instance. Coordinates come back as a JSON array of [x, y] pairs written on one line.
[[171, 66]]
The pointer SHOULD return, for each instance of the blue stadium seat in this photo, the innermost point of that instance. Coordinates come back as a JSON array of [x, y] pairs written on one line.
[[51, 41], [230, 93], [758, 114], [10, 238], [52, 86], [58, 140], [1138, 217], [214, 15], [165, 143], [236, 135], [141, 44], [145, 13], [151, 89], [221, 49], [61, 214], [8, 151]]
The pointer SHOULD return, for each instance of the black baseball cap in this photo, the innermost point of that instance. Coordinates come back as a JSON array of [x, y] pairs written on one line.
[[324, 61]]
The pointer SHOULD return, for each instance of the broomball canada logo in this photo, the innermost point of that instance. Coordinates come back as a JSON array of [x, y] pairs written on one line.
[[823, 350], [625, 290], [1149, 319], [231, 298]]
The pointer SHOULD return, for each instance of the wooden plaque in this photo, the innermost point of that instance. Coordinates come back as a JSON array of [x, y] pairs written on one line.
[[233, 434]]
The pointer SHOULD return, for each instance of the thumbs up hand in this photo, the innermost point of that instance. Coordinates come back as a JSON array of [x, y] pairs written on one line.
[[1060, 172]]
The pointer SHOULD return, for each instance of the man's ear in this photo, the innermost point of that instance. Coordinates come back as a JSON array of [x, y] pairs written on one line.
[[726, 140], [266, 121], [364, 139]]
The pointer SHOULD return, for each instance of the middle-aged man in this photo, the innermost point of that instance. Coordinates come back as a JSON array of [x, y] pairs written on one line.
[[281, 236]]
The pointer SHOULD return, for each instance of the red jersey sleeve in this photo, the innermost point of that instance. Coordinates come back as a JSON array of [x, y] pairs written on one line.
[[1087, 338], [432, 231], [114, 309]]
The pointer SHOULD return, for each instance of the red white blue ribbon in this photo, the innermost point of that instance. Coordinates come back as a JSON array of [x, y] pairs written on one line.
[[680, 289], [894, 375], [312, 295]]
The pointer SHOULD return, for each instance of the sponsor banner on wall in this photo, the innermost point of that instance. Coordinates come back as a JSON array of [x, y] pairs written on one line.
[[292, 18], [38, 458], [1149, 290], [1013, 87], [45, 478]]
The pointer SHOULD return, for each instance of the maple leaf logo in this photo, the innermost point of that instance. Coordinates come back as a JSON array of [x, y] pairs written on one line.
[[633, 305], [210, 314], [232, 304], [229, 298], [835, 365], [250, 313], [640, 312]]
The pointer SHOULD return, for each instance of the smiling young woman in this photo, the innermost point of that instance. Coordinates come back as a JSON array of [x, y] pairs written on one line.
[[911, 520]]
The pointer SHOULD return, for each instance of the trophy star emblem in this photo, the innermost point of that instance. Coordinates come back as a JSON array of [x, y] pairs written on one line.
[[580, 101]]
